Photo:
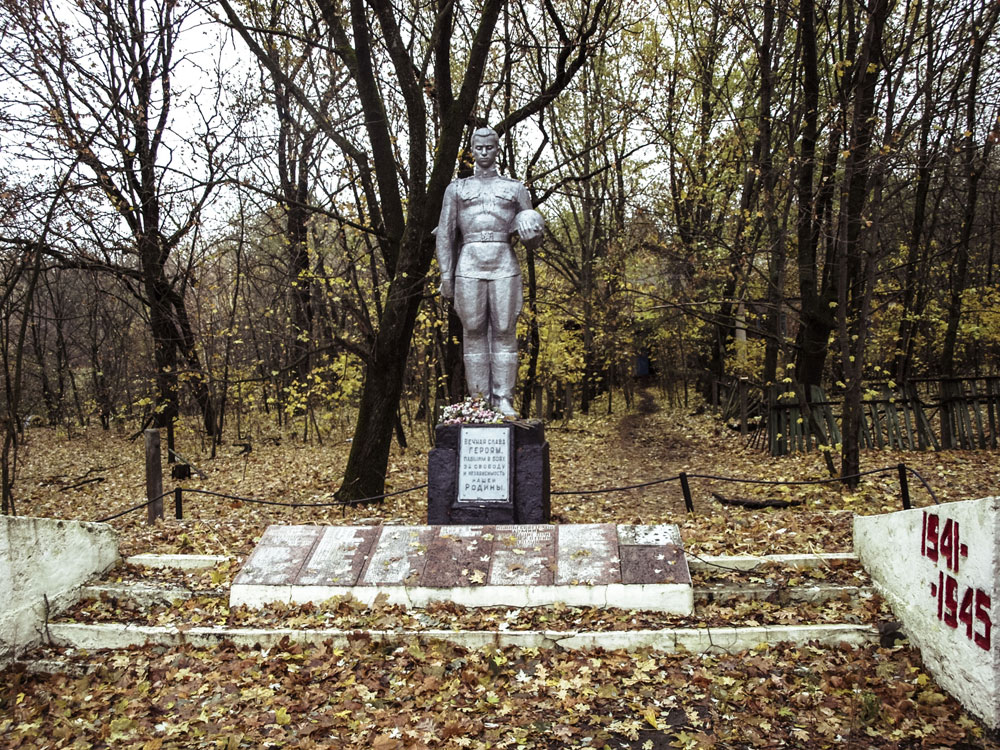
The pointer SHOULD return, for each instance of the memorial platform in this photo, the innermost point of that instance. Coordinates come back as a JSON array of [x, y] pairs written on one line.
[[595, 565]]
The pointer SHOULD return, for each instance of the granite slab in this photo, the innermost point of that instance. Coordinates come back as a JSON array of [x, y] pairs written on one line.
[[599, 565]]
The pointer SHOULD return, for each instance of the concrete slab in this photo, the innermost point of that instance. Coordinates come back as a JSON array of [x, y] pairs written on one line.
[[43, 563], [458, 556], [596, 565], [280, 555], [939, 569], [398, 557], [180, 562], [749, 562], [339, 556], [93, 637], [588, 554]]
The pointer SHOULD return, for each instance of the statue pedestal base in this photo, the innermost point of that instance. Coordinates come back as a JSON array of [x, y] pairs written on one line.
[[489, 474]]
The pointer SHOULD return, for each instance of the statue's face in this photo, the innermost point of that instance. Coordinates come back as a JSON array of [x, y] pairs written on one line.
[[484, 151]]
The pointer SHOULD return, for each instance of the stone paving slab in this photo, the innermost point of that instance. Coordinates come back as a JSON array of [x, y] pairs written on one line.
[[600, 565], [523, 556], [180, 562]]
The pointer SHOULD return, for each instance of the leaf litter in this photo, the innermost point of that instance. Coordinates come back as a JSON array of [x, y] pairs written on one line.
[[430, 694]]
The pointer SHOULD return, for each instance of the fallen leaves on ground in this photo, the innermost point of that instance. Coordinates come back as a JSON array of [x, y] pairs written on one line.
[[590, 452], [345, 613], [436, 695]]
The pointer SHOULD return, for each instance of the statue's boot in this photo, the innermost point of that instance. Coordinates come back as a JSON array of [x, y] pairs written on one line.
[[477, 374], [504, 378]]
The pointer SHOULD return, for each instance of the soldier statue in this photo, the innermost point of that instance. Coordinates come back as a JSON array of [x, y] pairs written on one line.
[[479, 270]]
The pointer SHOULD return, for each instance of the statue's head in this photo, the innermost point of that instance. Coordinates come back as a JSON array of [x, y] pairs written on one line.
[[485, 133], [485, 146]]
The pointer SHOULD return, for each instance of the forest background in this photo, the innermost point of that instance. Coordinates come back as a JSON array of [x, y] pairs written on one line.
[[227, 208]]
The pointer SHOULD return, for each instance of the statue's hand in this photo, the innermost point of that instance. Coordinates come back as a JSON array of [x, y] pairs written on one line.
[[530, 226], [447, 288]]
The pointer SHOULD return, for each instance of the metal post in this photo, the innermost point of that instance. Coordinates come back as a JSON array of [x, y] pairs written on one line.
[[178, 503], [904, 486], [688, 503], [154, 477]]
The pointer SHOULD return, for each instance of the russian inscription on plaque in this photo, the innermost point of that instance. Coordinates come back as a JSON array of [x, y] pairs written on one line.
[[484, 465], [488, 474]]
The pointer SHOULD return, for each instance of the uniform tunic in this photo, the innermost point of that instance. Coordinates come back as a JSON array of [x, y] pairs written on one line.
[[477, 220]]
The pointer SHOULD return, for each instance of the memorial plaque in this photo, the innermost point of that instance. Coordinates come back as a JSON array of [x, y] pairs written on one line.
[[664, 564], [279, 555], [398, 556], [484, 465], [468, 485], [523, 556], [338, 557], [588, 554], [458, 556], [649, 536]]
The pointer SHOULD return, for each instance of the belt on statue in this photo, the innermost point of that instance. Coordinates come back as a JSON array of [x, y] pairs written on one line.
[[497, 236]]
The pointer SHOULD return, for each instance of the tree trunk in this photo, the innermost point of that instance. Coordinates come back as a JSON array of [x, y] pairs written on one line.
[[364, 475], [980, 29], [857, 273], [901, 366]]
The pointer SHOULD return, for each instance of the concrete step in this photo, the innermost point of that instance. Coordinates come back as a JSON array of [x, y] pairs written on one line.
[[778, 594], [148, 595], [100, 636], [749, 562], [698, 640], [183, 562], [51, 665], [139, 594]]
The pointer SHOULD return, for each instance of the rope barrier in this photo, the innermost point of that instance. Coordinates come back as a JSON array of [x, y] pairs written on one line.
[[791, 483], [617, 489], [726, 479], [134, 508], [258, 501], [682, 477], [923, 481], [308, 505]]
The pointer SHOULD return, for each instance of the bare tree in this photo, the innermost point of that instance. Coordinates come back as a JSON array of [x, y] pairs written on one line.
[[96, 85], [403, 144]]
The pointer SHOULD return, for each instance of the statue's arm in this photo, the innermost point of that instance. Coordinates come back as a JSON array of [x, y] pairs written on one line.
[[445, 241], [530, 227]]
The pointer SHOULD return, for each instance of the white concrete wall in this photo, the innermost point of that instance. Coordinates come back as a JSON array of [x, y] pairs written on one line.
[[938, 568], [45, 558]]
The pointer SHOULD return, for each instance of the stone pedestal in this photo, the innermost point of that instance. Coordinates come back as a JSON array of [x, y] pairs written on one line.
[[526, 499]]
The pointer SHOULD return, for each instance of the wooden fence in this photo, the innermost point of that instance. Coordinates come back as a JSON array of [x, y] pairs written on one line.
[[927, 413]]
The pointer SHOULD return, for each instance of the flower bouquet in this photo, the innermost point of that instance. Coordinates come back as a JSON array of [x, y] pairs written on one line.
[[473, 410]]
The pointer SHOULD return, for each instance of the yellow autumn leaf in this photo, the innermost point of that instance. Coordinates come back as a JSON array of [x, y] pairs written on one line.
[[649, 714], [281, 716]]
